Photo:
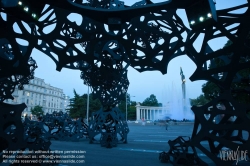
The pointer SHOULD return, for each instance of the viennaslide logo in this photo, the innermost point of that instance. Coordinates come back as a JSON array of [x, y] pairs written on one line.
[[234, 155]]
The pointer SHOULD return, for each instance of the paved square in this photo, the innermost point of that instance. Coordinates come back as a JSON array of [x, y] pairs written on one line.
[[143, 148]]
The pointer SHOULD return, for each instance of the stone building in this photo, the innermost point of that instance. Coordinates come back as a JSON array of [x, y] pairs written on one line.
[[152, 112], [37, 92]]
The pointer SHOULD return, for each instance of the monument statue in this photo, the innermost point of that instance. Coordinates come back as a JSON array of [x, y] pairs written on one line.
[[183, 85]]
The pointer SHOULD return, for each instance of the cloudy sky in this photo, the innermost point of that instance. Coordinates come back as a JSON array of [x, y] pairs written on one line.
[[141, 84]]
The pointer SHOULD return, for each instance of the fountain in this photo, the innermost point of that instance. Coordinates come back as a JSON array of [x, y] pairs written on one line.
[[175, 104], [177, 107]]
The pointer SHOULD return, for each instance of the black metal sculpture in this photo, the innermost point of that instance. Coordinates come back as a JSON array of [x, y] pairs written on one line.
[[60, 126], [181, 153], [145, 36], [109, 84], [9, 83], [35, 135], [14, 136], [109, 123]]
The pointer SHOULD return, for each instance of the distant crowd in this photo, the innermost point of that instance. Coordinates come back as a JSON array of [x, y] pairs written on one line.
[[173, 120]]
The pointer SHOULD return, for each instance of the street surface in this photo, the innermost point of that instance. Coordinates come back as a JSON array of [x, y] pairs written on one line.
[[143, 148]]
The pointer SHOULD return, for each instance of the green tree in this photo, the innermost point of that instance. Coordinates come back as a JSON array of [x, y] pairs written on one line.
[[122, 104], [200, 100], [78, 105], [150, 101], [37, 111], [131, 109], [210, 90]]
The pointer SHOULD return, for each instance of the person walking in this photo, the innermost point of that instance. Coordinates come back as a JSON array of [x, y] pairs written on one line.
[[166, 125]]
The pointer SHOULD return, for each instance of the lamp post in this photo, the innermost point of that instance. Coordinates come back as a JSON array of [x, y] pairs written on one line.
[[88, 107], [127, 106]]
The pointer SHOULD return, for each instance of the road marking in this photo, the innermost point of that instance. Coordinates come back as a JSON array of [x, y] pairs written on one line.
[[203, 143], [148, 141], [150, 151], [164, 135], [169, 131], [141, 150]]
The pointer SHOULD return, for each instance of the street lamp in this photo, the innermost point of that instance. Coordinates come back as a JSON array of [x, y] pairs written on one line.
[[88, 107], [201, 14]]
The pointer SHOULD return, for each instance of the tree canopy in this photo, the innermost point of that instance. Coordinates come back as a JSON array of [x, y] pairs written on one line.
[[78, 105], [200, 100], [37, 111], [150, 101], [131, 109]]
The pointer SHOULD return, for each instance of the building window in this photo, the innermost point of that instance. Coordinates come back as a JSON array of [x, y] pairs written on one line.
[[23, 92], [28, 94], [27, 101]]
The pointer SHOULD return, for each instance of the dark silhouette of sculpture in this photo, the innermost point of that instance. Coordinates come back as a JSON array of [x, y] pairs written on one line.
[[141, 36], [110, 124]]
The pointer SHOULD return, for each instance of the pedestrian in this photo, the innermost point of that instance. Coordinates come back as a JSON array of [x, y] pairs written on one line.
[[166, 125]]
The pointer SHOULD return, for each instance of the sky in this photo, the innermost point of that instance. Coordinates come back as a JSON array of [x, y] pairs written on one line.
[[142, 85]]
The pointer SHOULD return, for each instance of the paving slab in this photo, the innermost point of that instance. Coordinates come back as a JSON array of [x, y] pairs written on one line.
[[143, 147]]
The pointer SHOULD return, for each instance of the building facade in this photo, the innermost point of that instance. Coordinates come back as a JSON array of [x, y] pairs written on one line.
[[152, 113], [37, 92], [162, 113]]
